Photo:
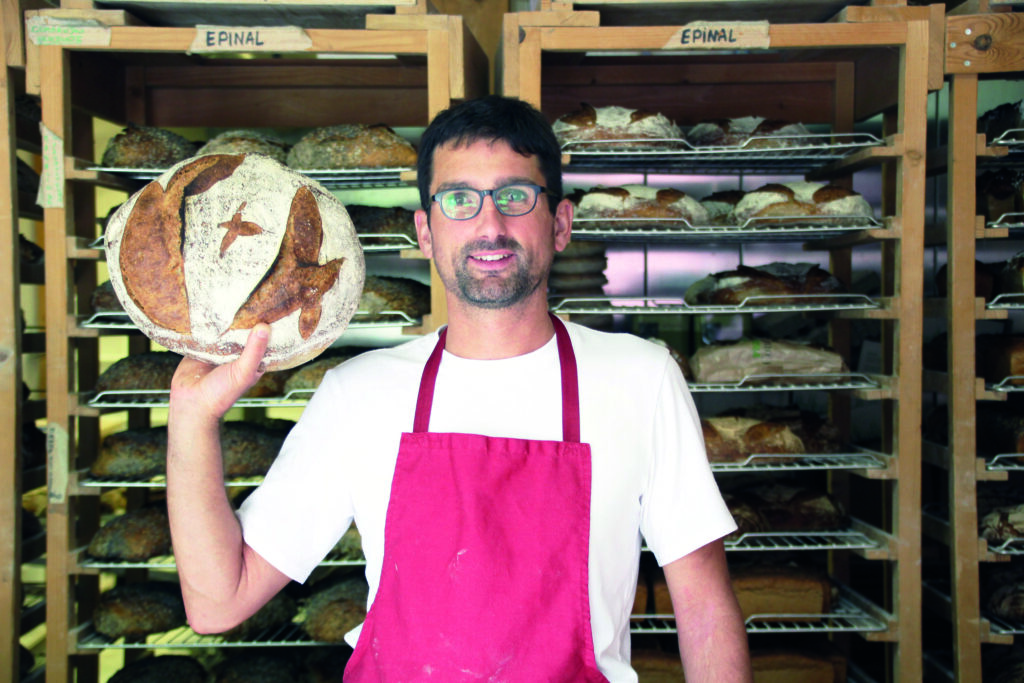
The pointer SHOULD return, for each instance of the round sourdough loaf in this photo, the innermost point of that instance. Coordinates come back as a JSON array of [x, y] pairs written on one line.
[[221, 242]]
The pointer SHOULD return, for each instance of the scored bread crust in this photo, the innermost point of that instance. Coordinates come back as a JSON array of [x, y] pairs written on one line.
[[220, 242]]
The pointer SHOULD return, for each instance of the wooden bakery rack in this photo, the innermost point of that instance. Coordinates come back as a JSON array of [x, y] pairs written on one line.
[[150, 63], [981, 42], [858, 62], [21, 600]]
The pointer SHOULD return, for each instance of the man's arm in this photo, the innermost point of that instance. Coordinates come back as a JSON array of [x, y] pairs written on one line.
[[223, 581], [712, 636]]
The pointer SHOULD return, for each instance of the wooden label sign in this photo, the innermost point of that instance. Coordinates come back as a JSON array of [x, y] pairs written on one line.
[[718, 35], [250, 39]]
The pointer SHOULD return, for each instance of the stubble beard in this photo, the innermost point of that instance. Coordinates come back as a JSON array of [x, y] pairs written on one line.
[[496, 291]]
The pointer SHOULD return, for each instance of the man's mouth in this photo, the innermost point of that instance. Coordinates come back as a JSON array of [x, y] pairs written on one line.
[[491, 257]]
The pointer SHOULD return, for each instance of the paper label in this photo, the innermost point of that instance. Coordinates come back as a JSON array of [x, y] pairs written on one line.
[[56, 463], [51, 181], [50, 30], [717, 35], [250, 39]]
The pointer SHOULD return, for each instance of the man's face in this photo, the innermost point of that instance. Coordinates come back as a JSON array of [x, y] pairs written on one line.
[[491, 260]]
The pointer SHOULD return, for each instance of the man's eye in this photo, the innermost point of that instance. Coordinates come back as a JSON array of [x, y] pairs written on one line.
[[460, 199], [512, 195]]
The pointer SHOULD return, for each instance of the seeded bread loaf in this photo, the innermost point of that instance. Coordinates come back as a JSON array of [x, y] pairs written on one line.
[[134, 536], [146, 147], [138, 609], [352, 146]]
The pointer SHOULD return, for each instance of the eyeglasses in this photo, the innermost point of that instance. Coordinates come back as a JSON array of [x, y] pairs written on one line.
[[463, 203]]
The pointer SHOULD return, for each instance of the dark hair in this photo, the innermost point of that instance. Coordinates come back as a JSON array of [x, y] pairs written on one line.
[[490, 118]]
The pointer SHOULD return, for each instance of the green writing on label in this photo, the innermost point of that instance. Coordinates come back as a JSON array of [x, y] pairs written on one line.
[[56, 34]]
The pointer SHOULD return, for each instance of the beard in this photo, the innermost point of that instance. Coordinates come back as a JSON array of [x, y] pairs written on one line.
[[495, 291]]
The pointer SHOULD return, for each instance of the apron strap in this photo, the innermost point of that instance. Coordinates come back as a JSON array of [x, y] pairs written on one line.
[[569, 380]]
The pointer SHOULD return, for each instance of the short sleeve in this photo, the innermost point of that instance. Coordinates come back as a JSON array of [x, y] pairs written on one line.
[[296, 516], [681, 506]]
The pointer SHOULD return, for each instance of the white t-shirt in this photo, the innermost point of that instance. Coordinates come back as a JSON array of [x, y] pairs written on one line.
[[650, 476]]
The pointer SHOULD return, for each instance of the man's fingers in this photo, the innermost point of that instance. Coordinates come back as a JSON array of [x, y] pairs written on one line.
[[250, 362]]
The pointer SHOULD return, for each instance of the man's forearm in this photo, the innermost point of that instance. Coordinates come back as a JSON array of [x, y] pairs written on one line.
[[206, 534], [712, 636]]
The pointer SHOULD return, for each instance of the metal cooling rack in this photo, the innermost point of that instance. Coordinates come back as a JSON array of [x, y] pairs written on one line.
[[1005, 462], [675, 305], [847, 617], [818, 540], [769, 462], [783, 228], [160, 398], [790, 382], [119, 320], [329, 178], [806, 153], [1008, 221]]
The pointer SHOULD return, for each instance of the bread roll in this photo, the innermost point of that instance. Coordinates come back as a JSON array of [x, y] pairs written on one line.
[[773, 281], [219, 243], [629, 128], [138, 609], [351, 146], [146, 147]]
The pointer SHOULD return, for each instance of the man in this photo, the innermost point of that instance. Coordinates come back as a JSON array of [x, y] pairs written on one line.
[[502, 472]]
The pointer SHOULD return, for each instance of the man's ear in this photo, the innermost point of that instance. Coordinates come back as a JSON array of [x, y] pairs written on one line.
[[563, 224], [423, 235]]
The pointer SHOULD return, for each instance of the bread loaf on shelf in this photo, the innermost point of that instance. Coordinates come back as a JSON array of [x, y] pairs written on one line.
[[634, 204], [776, 202], [262, 665], [1002, 118], [778, 665], [146, 147], [384, 293], [735, 438], [279, 610], [782, 589], [153, 370], [161, 669], [335, 609], [352, 145], [1000, 357], [796, 508], [138, 609], [248, 449], [221, 242], [627, 127], [761, 361], [383, 220], [134, 536], [771, 284], [245, 141], [750, 132]]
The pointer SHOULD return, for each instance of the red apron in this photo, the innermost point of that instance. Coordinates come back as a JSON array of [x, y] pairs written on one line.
[[486, 543]]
